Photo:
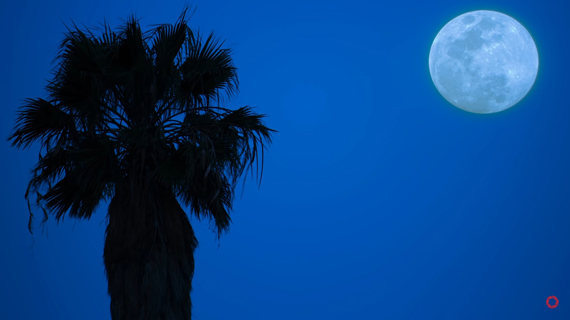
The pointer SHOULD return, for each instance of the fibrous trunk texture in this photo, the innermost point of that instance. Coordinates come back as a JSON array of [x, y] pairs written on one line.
[[148, 255]]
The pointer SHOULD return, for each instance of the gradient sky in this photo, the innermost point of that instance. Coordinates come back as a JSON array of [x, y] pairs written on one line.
[[379, 199]]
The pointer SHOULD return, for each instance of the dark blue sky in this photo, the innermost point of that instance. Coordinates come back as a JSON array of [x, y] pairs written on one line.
[[379, 199]]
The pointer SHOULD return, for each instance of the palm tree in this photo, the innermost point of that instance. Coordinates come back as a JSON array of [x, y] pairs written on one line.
[[137, 125]]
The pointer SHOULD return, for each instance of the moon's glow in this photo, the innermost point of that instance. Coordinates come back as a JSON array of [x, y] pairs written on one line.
[[483, 61]]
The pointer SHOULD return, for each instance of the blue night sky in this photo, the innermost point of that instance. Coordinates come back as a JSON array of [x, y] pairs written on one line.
[[379, 199]]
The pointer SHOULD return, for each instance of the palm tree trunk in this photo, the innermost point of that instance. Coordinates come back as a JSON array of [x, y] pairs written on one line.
[[148, 255]]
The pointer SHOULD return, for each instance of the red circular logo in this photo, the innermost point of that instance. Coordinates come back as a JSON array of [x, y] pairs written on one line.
[[548, 304]]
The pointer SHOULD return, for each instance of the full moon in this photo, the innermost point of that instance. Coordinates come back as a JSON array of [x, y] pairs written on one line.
[[483, 62]]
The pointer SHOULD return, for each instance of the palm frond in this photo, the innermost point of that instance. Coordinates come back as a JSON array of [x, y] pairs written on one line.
[[213, 151], [206, 72], [79, 85], [168, 40], [40, 120]]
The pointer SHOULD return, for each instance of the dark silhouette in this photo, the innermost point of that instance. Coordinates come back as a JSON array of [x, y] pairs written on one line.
[[134, 124]]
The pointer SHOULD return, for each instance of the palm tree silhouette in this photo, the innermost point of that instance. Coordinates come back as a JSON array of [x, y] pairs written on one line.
[[135, 124]]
